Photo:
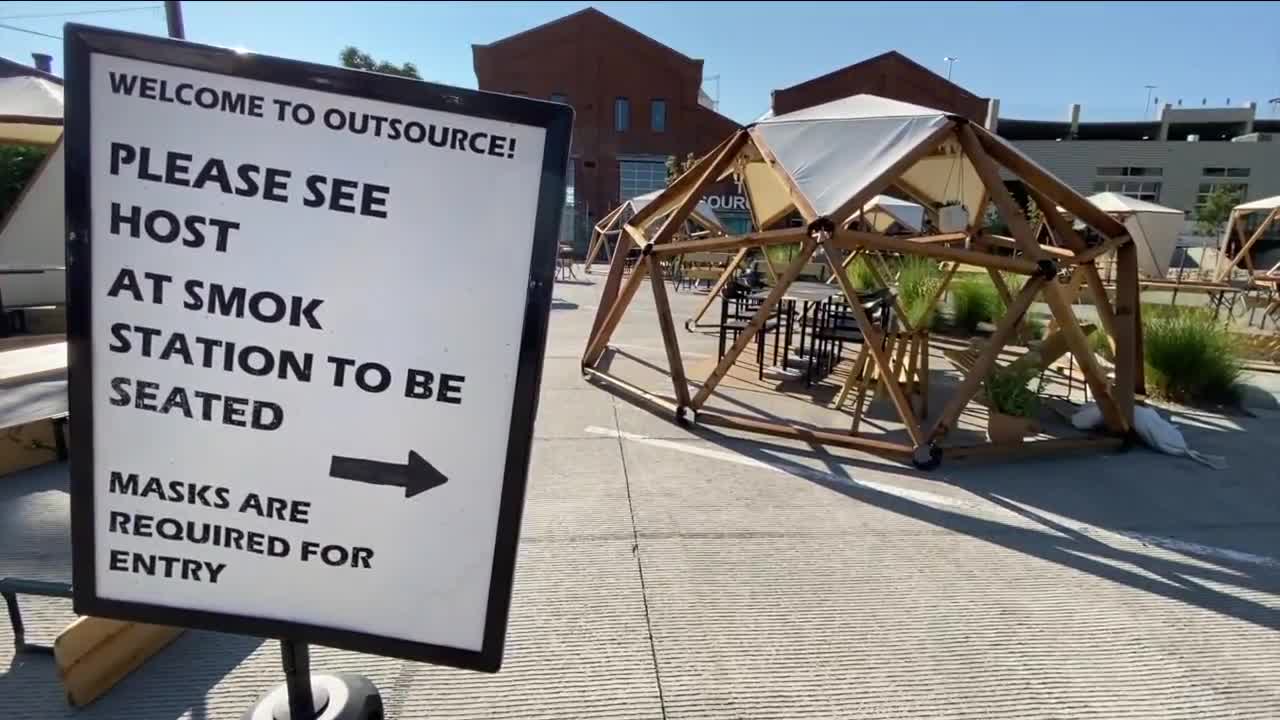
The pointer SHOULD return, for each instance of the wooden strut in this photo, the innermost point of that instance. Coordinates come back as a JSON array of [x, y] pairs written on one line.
[[1033, 448], [667, 325], [598, 236], [1062, 230], [897, 302], [636, 393], [1053, 294], [802, 204], [612, 304], [853, 239], [762, 314], [612, 282], [1257, 235], [872, 338], [1128, 363], [715, 290], [823, 437], [986, 360], [734, 242]]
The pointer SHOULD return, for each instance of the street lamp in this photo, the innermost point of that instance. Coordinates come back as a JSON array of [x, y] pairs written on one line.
[[950, 61], [1146, 108]]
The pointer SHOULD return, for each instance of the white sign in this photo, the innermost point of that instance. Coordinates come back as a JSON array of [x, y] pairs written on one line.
[[307, 318]]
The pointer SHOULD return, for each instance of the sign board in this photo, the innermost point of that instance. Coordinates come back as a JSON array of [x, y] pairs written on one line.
[[307, 314]]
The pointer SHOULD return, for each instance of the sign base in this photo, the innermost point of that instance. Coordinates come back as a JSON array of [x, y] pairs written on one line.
[[336, 697]]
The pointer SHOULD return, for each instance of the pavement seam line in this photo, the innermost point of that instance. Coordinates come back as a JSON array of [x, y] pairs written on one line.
[[635, 549]]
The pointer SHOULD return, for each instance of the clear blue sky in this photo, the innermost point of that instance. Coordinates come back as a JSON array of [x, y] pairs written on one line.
[[1037, 58]]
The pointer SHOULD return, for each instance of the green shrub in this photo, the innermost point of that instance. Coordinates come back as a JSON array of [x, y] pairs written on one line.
[[1007, 391], [1189, 357], [918, 281], [1033, 327], [860, 274], [17, 164], [973, 300], [782, 255]]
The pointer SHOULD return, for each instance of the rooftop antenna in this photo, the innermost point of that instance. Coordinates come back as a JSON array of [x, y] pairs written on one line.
[[1147, 107], [950, 61], [1275, 105]]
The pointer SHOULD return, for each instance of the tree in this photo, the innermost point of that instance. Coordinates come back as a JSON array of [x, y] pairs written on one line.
[[18, 165], [676, 167], [353, 58], [1212, 216]]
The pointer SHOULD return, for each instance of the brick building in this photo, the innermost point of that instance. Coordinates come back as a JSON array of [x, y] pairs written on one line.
[[891, 75], [636, 102]]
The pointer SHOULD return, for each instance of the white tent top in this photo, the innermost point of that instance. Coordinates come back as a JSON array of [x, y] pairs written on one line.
[[702, 211], [30, 110], [1111, 202], [835, 150], [883, 210], [1270, 203]]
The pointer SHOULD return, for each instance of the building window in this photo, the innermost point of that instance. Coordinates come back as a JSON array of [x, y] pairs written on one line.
[[1207, 189], [637, 177], [1226, 172], [1148, 191], [621, 114], [560, 98], [1131, 171], [658, 115]]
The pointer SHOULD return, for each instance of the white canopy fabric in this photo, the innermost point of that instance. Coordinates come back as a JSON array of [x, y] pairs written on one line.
[[32, 236], [835, 150], [702, 212], [30, 110], [1154, 229], [882, 211], [1270, 203]]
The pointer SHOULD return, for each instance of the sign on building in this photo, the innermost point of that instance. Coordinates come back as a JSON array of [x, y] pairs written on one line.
[[305, 348]]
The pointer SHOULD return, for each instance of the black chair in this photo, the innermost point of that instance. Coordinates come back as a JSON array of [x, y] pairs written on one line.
[[836, 326], [737, 309]]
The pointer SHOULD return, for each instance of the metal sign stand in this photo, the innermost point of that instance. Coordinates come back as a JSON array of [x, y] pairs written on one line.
[[304, 696]]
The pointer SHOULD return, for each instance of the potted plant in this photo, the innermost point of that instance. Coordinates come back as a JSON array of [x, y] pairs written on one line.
[[1012, 406]]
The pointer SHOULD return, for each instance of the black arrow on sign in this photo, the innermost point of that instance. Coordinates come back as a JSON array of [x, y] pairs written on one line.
[[416, 476]]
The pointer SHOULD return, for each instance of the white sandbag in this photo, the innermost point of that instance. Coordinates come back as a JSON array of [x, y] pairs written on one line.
[[1159, 434]]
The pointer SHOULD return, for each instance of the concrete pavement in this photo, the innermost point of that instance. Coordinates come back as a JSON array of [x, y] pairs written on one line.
[[665, 573]]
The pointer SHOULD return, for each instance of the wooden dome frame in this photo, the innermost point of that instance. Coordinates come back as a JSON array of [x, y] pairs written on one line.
[[1044, 265]]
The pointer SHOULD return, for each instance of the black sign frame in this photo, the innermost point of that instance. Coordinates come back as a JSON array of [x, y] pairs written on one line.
[[81, 42]]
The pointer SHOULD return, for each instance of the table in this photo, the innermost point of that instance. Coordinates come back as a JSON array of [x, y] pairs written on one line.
[[811, 295]]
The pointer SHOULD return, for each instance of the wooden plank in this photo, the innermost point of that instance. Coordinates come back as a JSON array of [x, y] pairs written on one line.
[[680, 186], [843, 214], [1127, 362], [1079, 346], [110, 662], [734, 242], [803, 206], [853, 239], [609, 294], [82, 636], [619, 386], [1054, 190], [871, 337], [1101, 301], [596, 348], [924, 376], [715, 290], [757, 322], [693, 194], [669, 341], [1097, 251], [986, 359], [1008, 243], [820, 437], [1032, 448], [1013, 215], [1257, 235]]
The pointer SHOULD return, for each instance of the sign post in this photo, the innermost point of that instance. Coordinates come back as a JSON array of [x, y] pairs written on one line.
[[307, 309]]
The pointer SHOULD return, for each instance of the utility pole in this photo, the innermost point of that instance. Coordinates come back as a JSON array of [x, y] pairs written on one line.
[[1147, 107], [173, 16], [950, 61]]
